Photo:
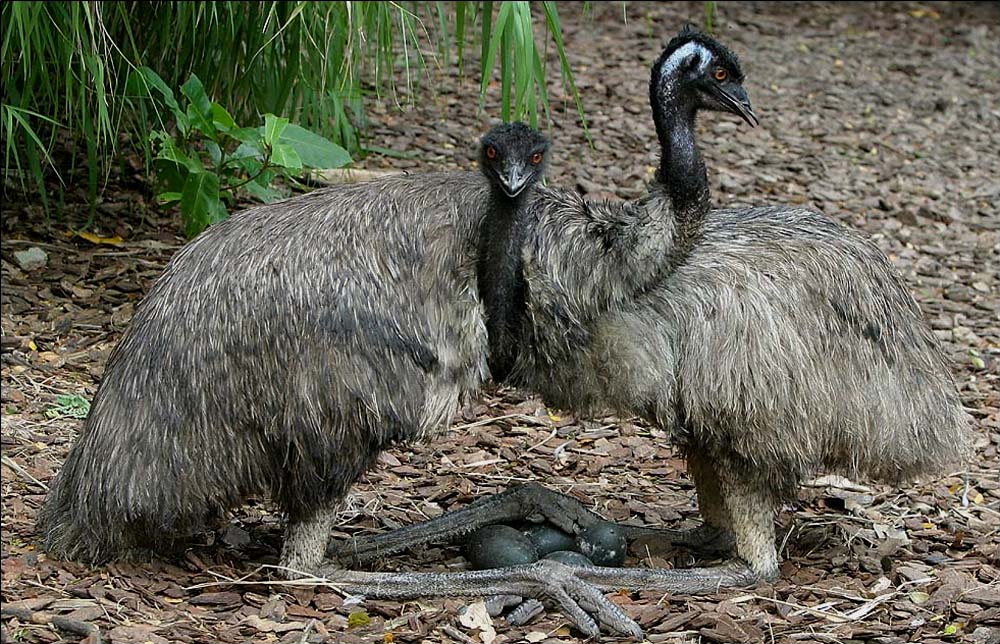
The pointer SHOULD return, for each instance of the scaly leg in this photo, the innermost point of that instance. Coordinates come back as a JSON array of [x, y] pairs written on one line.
[[713, 536], [573, 589], [751, 507], [528, 502], [581, 602], [306, 540]]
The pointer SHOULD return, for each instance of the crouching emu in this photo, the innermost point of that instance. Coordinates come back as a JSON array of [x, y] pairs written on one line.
[[279, 353], [776, 342]]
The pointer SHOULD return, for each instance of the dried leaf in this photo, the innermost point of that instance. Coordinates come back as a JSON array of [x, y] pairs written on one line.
[[476, 616], [93, 238]]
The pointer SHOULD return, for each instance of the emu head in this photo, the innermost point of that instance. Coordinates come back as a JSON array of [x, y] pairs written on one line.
[[696, 72], [513, 156]]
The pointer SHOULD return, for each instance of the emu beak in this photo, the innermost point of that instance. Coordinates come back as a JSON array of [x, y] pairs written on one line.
[[739, 104], [514, 179]]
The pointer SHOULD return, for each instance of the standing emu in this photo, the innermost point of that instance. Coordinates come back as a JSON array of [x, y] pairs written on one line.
[[776, 343], [278, 354]]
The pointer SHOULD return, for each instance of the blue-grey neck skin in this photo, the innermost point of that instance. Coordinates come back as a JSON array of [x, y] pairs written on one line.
[[682, 171], [500, 279]]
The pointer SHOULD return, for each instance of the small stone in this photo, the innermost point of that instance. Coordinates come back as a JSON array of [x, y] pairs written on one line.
[[31, 259]]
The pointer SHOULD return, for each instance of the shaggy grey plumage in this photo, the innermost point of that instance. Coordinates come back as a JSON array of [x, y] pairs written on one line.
[[277, 355], [771, 342], [780, 342]]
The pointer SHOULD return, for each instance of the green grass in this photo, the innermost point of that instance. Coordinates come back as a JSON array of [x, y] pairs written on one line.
[[69, 68]]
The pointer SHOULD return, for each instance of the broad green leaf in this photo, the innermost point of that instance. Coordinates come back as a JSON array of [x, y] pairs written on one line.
[[222, 119], [247, 151], [150, 80], [267, 194], [248, 135], [314, 150], [200, 203], [214, 152], [195, 92], [273, 127], [168, 197], [285, 156], [169, 151], [199, 110]]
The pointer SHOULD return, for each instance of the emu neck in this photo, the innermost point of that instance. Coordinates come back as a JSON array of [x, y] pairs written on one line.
[[682, 170], [501, 280]]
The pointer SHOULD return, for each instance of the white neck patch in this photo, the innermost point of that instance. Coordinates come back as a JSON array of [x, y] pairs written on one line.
[[682, 54]]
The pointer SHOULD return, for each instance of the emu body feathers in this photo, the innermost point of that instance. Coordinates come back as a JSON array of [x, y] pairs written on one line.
[[278, 354]]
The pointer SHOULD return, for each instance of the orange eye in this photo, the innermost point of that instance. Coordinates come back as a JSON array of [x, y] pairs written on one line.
[[491, 152], [721, 74], [536, 158]]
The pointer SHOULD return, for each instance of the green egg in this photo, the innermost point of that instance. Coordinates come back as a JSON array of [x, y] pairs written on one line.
[[548, 538], [499, 546], [604, 543]]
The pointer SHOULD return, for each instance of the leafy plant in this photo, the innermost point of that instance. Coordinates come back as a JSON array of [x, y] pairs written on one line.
[[211, 157], [511, 39], [69, 406], [66, 67]]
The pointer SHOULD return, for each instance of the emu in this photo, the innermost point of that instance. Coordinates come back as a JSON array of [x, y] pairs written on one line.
[[775, 342], [512, 158], [280, 352]]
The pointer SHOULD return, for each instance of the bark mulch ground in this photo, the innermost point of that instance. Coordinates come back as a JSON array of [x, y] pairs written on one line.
[[881, 115]]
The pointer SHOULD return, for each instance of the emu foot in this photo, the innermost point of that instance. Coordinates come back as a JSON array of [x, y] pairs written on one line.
[[582, 603], [689, 581], [704, 539]]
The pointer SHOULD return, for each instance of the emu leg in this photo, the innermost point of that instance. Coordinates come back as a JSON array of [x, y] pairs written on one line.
[[713, 536], [751, 507], [523, 502], [528, 502], [305, 542], [581, 602]]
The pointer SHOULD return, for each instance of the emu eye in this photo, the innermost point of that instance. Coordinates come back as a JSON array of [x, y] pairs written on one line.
[[491, 152], [721, 74], [536, 158]]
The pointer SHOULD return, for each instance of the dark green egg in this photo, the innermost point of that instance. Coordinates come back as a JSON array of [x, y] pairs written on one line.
[[569, 557], [604, 543], [499, 546], [548, 538]]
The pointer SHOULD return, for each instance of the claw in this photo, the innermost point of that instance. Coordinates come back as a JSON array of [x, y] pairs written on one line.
[[497, 604], [525, 612]]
